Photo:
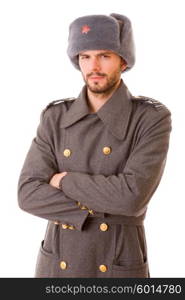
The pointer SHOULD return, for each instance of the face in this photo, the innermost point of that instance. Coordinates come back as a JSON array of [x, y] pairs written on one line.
[[101, 70]]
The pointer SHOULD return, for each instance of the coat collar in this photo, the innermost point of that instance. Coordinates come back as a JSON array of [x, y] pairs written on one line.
[[114, 113]]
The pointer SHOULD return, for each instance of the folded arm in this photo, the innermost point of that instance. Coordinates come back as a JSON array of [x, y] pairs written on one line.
[[36, 194], [129, 192]]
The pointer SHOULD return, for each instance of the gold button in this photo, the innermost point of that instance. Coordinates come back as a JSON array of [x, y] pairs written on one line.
[[106, 150], [83, 207], [65, 226], [56, 223], [91, 212], [102, 268], [63, 265], [71, 227], [78, 203], [67, 152], [103, 227]]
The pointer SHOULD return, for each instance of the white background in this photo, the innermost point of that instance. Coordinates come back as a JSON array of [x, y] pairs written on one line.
[[35, 69]]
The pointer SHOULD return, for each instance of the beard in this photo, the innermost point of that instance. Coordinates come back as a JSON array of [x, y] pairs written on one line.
[[97, 87]]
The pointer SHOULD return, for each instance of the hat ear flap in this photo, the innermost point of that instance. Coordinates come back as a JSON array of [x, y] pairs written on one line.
[[127, 46]]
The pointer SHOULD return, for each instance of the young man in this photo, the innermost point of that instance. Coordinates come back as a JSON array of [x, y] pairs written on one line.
[[96, 161]]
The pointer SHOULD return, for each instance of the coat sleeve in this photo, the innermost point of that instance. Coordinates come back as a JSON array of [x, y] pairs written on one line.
[[129, 192], [35, 194]]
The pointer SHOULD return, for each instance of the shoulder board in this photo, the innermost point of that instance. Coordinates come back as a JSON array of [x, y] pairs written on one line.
[[55, 102], [150, 101]]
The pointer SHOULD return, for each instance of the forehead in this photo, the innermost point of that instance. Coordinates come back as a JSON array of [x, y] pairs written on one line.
[[97, 52]]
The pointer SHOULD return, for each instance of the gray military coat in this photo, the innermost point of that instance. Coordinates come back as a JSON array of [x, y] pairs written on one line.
[[115, 159]]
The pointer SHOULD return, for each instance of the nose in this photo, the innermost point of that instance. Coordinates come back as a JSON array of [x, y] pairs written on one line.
[[95, 64]]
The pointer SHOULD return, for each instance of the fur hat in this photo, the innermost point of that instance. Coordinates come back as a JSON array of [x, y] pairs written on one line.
[[98, 32]]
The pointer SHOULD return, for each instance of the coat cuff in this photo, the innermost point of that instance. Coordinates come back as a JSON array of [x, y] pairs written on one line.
[[77, 220], [81, 215]]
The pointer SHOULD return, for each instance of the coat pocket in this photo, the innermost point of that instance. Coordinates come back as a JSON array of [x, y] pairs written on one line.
[[47, 263], [125, 269]]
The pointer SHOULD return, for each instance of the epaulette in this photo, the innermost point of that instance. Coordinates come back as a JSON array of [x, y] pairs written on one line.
[[150, 101], [55, 102]]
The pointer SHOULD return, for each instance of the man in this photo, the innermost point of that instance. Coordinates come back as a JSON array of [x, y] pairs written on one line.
[[96, 161]]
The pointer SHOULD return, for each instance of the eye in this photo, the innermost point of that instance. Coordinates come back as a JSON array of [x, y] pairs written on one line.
[[84, 56], [105, 56]]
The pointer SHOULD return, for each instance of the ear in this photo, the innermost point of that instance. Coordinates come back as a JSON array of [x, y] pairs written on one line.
[[123, 65]]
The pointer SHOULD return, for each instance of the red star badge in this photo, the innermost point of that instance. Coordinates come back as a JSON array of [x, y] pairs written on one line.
[[85, 29]]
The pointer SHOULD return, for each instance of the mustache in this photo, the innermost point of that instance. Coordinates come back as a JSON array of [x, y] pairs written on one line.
[[95, 74]]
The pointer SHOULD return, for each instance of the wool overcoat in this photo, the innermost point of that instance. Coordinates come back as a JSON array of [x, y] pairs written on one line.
[[115, 159]]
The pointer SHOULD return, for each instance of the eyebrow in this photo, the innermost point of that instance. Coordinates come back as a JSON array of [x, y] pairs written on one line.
[[102, 53]]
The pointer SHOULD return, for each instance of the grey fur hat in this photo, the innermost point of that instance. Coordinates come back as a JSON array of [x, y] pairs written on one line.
[[98, 32]]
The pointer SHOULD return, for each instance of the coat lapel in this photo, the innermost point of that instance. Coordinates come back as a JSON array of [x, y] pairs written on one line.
[[115, 113]]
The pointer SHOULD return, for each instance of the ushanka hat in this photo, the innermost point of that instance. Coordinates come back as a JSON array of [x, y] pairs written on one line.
[[99, 32]]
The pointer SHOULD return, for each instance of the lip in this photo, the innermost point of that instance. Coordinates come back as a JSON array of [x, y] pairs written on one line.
[[96, 77]]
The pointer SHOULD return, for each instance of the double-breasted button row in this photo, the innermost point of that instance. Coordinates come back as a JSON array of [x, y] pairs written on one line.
[[63, 266], [103, 227], [106, 150]]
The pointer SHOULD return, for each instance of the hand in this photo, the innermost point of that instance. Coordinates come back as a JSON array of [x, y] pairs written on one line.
[[55, 180]]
